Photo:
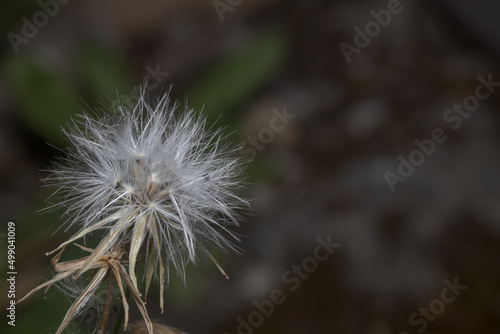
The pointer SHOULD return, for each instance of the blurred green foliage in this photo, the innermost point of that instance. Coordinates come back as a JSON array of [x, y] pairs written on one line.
[[104, 73], [230, 83], [45, 101]]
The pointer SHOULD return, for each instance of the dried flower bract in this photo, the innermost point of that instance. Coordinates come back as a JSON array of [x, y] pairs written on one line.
[[108, 266]]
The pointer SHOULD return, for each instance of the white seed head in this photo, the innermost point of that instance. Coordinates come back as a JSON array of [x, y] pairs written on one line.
[[153, 176]]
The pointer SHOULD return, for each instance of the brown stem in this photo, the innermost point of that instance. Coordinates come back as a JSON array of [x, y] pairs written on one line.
[[105, 314]]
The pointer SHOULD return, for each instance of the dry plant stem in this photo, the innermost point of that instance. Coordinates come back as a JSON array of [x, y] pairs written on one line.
[[108, 265], [105, 314]]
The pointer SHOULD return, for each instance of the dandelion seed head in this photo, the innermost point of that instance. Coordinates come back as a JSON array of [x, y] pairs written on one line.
[[153, 175]]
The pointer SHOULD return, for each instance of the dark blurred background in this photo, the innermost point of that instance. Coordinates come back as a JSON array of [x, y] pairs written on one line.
[[320, 175]]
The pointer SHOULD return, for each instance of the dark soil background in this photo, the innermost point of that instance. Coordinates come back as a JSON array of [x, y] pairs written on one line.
[[322, 176]]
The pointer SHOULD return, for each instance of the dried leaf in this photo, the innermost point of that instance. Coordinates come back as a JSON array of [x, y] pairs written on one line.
[[83, 299], [137, 297], [86, 231], [103, 247], [150, 267], [118, 278], [138, 235], [48, 284], [153, 229]]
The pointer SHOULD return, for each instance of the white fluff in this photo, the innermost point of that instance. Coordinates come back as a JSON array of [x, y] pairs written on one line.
[[154, 162]]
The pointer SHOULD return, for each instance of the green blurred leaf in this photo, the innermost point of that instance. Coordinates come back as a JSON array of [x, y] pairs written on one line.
[[227, 85], [105, 73], [45, 101]]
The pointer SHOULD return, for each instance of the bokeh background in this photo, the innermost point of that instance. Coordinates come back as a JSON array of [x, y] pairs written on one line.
[[322, 176]]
